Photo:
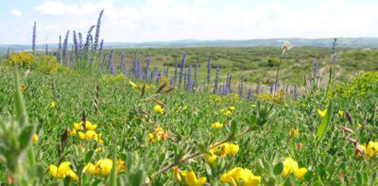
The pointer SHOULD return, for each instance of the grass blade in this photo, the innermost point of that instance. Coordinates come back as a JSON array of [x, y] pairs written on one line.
[[325, 122]]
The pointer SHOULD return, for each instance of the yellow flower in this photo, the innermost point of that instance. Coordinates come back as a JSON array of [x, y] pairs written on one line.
[[211, 158], [217, 125], [90, 135], [105, 166], [176, 174], [359, 126], [91, 168], [322, 113], [295, 133], [71, 132], [53, 105], [235, 175], [35, 139], [370, 150], [132, 84], [88, 126], [291, 166], [158, 108], [340, 112], [120, 166], [230, 148], [192, 180], [62, 171], [232, 108]]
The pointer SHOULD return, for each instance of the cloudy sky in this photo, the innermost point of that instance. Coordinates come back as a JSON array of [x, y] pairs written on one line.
[[167, 20]]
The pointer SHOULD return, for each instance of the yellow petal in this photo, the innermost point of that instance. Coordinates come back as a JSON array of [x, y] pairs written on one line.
[[105, 166], [35, 139], [82, 136], [299, 173], [53, 170]]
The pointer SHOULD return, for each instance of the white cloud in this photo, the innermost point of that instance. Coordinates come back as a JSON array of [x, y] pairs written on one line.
[[172, 20], [16, 13]]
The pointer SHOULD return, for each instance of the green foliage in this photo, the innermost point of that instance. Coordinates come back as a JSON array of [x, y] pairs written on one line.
[[363, 86], [273, 62]]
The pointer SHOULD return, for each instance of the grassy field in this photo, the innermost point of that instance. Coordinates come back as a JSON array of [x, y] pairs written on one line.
[[160, 135]]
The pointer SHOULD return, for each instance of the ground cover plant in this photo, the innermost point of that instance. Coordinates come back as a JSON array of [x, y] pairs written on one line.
[[69, 117]]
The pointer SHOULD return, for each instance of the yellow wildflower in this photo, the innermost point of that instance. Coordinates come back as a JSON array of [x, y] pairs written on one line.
[[322, 113], [217, 125], [120, 166], [62, 171], [88, 126], [192, 180], [35, 139], [237, 174], [211, 158], [291, 166], [232, 108], [176, 174], [340, 112], [158, 108], [53, 105], [370, 150], [71, 132], [295, 133]]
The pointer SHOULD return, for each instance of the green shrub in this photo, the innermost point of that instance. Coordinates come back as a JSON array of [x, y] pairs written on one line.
[[362, 86]]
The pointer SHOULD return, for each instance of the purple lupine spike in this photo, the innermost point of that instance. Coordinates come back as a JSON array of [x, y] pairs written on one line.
[[226, 90], [111, 58], [103, 62], [101, 46], [190, 85], [185, 78], [65, 46], [171, 82], [334, 52], [295, 94], [158, 77], [166, 71], [250, 95], [175, 76], [241, 88], [80, 41], [189, 74], [316, 68], [258, 89], [277, 86], [135, 64], [271, 88], [97, 33], [216, 81], [209, 70], [47, 49], [220, 91], [147, 69], [196, 73], [123, 64], [182, 68], [34, 37], [87, 44], [59, 53], [287, 89], [76, 43], [113, 70], [91, 42]]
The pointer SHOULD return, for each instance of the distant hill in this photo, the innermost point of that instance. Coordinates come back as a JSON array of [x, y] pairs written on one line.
[[322, 42]]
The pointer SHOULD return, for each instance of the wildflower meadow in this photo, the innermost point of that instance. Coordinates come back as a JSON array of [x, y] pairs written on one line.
[[84, 114]]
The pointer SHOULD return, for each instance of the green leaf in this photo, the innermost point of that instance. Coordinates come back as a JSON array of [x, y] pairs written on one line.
[[359, 178], [88, 156], [277, 170], [21, 114], [113, 173], [325, 122], [25, 137], [234, 126]]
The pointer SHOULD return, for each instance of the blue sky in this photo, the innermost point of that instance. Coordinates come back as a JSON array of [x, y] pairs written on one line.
[[166, 20]]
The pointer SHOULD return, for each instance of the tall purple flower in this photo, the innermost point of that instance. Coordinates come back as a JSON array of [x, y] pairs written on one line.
[[34, 37], [87, 45], [209, 70], [80, 42], [103, 62], [250, 95], [334, 52], [195, 74], [101, 46], [295, 94], [185, 78], [316, 68], [158, 77], [59, 53], [182, 69], [166, 70], [123, 64], [97, 34], [271, 88], [76, 43], [287, 89], [171, 82], [216, 81], [241, 87], [258, 89], [111, 60], [175, 76], [147, 69], [189, 74], [65, 47], [47, 50]]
